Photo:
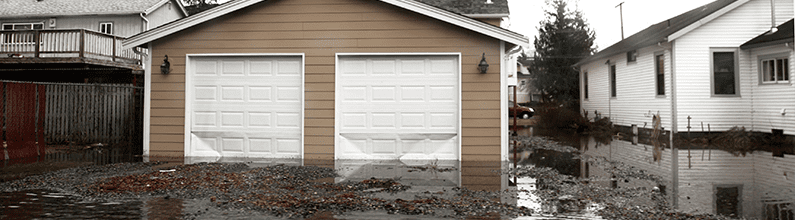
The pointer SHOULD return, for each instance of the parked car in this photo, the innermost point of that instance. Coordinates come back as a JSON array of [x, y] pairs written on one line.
[[521, 111]]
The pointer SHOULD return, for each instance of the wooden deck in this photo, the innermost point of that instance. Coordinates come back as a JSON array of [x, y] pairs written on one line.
[[66, 46]]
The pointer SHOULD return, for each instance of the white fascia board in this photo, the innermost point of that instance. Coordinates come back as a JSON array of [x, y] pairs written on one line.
[[452, 18], [462, 21], [176, 26], [706, 20], [487, 15]]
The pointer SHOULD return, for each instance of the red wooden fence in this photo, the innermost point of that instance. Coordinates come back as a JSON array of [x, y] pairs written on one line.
[[23, 119]]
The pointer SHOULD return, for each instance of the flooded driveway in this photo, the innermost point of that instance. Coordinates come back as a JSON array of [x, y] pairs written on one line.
[[691, 181]]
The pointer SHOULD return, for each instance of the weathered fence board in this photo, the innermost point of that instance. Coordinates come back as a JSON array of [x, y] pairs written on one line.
[[91, 113], [35, 114], [21, 111]]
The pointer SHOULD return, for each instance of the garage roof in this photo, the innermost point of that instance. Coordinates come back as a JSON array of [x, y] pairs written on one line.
[[412, 5]]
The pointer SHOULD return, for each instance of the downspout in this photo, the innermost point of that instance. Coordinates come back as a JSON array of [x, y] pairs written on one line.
[[773, 28], [145, 27], [674, 130]]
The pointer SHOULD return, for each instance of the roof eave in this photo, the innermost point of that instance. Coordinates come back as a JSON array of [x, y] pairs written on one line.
[[460, 20], [190, 21], [705, 20], [598, 56], [765, 44], [487, 15], [440, 14]]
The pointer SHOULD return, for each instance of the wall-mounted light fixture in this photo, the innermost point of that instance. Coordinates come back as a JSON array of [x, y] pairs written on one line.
[[483, 66], [165, 67]]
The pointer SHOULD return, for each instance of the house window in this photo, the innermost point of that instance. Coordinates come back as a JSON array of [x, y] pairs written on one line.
[[725, 79], [774, 69], [23, 26], [613, 80], [106, 27], [20, 37], [659, 66], [632, 56], [585, 85]]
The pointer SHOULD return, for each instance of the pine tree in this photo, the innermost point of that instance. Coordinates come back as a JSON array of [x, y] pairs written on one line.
[[564, 38]]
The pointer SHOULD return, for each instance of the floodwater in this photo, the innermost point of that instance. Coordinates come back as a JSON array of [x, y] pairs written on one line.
[[755, 186]]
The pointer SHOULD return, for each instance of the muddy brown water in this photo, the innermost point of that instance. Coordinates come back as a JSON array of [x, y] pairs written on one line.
[[755, 186]]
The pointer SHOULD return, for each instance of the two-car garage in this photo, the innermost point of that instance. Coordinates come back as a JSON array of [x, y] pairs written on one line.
[[387, 106]]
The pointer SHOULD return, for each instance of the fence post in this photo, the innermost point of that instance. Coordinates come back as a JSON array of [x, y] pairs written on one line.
[[37, 41], [82, 43], [114, 49]]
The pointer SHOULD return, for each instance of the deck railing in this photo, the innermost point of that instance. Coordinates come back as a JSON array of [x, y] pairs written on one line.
[[72, 43]]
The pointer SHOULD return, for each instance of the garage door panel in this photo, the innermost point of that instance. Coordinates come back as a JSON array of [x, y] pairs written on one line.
[[398, 107], [246, 106]]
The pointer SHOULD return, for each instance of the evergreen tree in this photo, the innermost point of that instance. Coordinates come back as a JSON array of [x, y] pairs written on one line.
[[196, 6], [564, 38]]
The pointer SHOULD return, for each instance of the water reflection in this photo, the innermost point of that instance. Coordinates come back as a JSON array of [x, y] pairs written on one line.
[[48, 204], [757, 185]]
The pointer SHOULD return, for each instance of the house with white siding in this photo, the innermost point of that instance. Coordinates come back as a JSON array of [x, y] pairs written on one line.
[[722, 65], [77, 40]]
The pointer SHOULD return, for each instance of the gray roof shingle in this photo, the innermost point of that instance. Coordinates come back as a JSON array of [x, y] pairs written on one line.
[[784, 34], [39, 8], [470, 6]]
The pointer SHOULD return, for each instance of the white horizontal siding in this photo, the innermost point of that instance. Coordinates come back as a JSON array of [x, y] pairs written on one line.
[[769, 99], [598, 89], [694, 95], [636, 89]]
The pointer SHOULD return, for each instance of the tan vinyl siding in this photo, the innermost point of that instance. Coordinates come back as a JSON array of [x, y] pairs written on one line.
[[319, 29], [694, 95]]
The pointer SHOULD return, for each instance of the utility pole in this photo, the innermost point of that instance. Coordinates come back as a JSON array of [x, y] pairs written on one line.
[[621, 10]]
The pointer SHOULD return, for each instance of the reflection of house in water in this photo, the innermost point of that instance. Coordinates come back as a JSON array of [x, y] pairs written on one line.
[[757, 185]]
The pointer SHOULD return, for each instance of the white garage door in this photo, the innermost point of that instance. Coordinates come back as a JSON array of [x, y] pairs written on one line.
[[398, 107], [245, 106]]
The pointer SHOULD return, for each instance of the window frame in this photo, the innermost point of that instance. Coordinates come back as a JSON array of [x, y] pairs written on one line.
[[632, 56], [10, 39], [613, 77], [736, 52], [106, 23], [774, 57], [657, 81], [13, 24]]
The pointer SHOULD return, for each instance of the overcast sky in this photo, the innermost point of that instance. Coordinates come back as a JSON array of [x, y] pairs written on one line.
[[603, 16]]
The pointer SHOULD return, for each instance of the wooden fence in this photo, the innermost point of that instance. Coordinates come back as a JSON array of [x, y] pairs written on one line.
[[72, 114], [92, 113]]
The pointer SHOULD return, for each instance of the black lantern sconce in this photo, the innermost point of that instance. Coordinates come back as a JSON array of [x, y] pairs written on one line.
[[483, 66], [165, 67]]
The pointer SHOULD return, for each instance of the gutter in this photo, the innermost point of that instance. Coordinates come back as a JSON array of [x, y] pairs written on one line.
[[486, 15]]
